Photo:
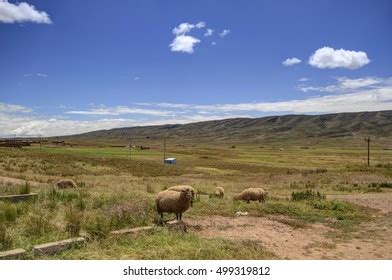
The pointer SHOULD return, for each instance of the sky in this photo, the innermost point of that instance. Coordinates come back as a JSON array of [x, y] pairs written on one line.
[[73, 66]]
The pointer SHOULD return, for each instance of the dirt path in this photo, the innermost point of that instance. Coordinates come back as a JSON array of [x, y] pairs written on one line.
[[372, 241]]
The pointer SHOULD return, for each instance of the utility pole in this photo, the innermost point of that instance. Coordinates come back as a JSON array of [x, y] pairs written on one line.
[[368, 144], [164, 150]]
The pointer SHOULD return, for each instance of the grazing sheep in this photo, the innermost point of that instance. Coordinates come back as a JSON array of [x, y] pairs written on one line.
[[219, 192], [173, 202], [66, 184], [254, 194], [181, 188]]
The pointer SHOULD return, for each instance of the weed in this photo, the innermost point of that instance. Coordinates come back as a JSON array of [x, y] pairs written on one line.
[[25, 189], [73, 220], [307, 195], [97, 226]]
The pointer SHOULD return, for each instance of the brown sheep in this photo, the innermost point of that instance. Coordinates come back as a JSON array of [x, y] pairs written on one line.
[[66, 184], [219, 192], [254, 194], [180, 188], [173, 202]]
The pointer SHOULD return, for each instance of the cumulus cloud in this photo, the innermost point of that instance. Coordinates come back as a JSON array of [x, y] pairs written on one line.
[[344, 84], [21, 12], [304, 79], [327, 57], [291, 61], [224, 33], [209, 32], [184, 43], [186, 27]]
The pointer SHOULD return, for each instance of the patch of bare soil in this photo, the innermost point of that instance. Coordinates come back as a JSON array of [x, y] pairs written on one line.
[[282, 237]]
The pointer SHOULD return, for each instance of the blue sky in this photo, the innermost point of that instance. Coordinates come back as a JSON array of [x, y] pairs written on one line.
[[74, 66]]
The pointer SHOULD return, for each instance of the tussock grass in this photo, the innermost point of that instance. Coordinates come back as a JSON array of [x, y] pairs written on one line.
[[168, 245]]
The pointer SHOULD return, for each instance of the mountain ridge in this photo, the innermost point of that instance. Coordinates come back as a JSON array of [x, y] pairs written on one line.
[[308, 128]]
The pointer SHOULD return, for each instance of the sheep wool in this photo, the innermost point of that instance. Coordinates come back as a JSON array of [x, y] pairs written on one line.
[[173, 202], [252, 194], [219, 192], [180, 188]]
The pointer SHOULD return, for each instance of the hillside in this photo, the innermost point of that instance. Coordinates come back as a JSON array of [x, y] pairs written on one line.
[[348, 128]]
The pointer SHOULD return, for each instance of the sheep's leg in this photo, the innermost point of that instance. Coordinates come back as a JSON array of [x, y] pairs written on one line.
[[180, 216], [248, 201], [177, 216]]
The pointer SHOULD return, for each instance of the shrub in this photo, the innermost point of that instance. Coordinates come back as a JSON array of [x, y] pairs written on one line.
[[25, 189], [9, 211], [38, 224], [386, 185], [73, 220], [97, 226], [5, 238], [307, 195]]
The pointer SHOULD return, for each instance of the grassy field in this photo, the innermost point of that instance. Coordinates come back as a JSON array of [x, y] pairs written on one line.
[[117, 192]]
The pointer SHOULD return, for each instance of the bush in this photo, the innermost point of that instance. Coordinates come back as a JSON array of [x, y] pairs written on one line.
[[73, 220], [25, 189], [377, 186], [307, 195], [38, 224], [5, 238], [9, 211], [98, 227]]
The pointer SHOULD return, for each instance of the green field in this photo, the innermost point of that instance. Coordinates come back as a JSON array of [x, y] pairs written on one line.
[[117, 191]]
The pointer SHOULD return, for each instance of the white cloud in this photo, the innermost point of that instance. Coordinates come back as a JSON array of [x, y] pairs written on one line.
[[345, 85], [42, 75], [304, 79], [21, 12], [224, 33], [136, 78], [186, 27], [183, 28], [365, 94], [13, 108], [213, 43], [291, 61], [200, 25], [120, 110], [368, 100], [327, 57], [184, 43], [209, 32]]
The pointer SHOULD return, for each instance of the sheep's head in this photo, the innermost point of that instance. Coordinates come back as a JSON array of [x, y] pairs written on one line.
[[186, 194]]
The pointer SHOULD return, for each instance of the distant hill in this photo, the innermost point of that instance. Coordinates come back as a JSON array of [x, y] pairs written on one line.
[[349, 128]]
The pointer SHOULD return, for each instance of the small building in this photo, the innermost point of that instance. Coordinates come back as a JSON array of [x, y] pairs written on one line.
[[170, 161]]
